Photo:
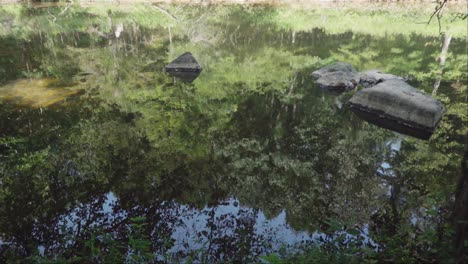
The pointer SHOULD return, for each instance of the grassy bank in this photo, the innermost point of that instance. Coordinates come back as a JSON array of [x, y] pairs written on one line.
[[378, 19]]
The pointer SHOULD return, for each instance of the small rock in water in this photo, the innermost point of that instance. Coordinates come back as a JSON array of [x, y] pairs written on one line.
[[395, 105], [338, 77], [336, 67], [339, 81], [184, 67], [373, 77]]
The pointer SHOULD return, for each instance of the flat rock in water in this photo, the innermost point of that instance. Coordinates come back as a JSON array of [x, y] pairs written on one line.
[[395, 105], [185, 67], [373, 77]]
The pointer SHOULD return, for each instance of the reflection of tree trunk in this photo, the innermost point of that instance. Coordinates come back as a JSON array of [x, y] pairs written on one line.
[[211, 224], [395, 205], [461, 210], [443, 57], [170, 41], [233, 36], [290, 92]]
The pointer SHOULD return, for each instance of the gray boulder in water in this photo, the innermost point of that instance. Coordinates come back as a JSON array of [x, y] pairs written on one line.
[[336, 67], [395, 105], [185, 67], [338, 77], [373, 77]]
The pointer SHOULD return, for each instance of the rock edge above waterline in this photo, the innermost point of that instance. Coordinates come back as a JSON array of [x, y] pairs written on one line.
[[185, 67], [396, 105]]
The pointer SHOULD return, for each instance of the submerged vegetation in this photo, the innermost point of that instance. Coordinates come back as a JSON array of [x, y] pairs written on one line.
[[105, 158]]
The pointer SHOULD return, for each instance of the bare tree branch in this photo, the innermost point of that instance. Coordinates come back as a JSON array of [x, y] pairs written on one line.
[[66, 8], [438, 13], [162, 10]]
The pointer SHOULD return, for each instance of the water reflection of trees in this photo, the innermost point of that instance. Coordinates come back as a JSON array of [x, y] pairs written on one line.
[[253, 126]]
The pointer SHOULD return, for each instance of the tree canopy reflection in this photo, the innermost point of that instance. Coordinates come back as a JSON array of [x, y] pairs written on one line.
[[252, 126]]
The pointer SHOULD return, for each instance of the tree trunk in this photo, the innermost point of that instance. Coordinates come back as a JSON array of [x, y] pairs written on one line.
[[443, 57]]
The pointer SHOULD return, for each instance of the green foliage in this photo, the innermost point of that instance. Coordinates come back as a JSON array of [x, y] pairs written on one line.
[[140, 245]]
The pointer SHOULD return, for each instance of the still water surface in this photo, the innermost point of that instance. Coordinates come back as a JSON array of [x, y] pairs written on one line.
[[99, 145]]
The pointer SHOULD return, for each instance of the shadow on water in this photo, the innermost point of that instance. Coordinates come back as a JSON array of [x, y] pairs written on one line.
[[249, 159]]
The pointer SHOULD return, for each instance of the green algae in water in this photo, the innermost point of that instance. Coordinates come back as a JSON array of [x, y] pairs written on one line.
[[37, 93]]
